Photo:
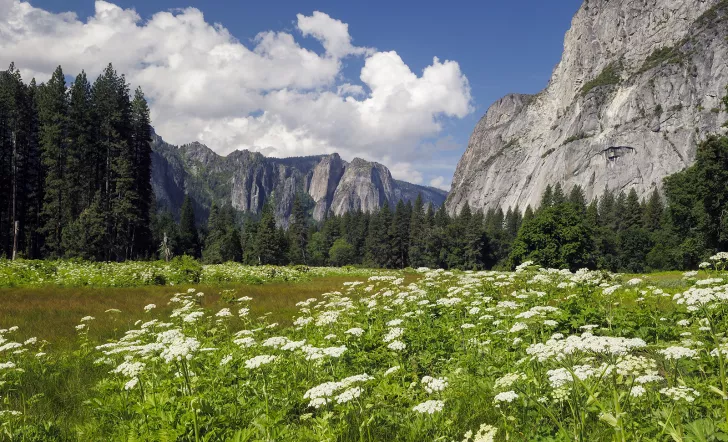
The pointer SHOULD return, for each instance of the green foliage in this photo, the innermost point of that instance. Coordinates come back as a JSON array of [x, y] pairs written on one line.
[[558, 237], [608, 77], [575, 137], [663, 56], [342, 253], [569, 355]]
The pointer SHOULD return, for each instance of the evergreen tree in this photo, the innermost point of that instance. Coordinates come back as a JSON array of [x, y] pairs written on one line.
[[547, 198], [141, 150], [632, 215], [654, 212], [212, 252], [80, 145], [53, 140], [559, 197], [188, 235], [298, 233], [267, 242], [418, 235], [399, 232]]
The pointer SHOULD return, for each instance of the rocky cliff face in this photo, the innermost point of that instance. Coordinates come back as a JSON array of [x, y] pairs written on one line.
[[638, 86], [247, 180]]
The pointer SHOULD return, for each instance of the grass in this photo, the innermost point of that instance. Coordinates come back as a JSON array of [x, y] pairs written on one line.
[[51, 313]]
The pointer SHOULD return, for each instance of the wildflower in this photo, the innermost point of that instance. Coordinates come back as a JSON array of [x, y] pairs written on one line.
[[429, 407], [680, 393], [356, 331], [509, 379], [150, 307], [392, 370], [259, 361], [676, 352], [224, 313], [226, 360], [637, 391], [434, 385], [486, 433], [348, 395], [397, 345], [87, 318], [506, 396]]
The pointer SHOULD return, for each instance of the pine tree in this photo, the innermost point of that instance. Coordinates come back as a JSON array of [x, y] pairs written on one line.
[[81, 146], [56, 215], [632, 215], [559, 197], [141, 150], [189, 237], [418, 235], [578, 198], [212, 252], [547, 198], [400, 236], [654, 211], [267, 245], [298, 232]]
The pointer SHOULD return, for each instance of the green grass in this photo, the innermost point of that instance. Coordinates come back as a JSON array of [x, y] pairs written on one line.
[[51, 313]]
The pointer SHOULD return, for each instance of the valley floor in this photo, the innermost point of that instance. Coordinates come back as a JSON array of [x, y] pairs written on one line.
[[455, 356]]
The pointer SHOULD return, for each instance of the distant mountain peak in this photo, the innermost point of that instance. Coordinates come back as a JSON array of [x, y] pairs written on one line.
[[247, 180]]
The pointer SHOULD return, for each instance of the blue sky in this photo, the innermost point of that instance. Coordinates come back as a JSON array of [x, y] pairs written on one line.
[[500, 47]]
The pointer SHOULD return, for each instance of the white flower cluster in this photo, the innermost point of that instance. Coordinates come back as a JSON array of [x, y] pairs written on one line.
[[434, 385], [177, 346], [559, 349], [321, 395], [506, 396], [630, 365], [508, 380], [429, 407], [680, 393], [486, 433], [259, 361], [675, 353]]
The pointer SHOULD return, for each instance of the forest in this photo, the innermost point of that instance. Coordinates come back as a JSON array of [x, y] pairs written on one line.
[[75, 170]]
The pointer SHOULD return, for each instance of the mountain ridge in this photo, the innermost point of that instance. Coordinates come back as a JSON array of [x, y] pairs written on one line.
[[247, 180], [637, 88]]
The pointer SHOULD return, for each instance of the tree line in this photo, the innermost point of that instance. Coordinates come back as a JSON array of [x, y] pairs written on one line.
[[75, 182], [75, 168]]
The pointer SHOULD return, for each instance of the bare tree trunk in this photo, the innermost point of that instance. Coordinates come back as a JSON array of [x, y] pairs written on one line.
[[16, 231]]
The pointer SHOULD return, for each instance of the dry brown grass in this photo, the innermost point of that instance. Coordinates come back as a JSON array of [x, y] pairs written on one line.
[[52, 313]]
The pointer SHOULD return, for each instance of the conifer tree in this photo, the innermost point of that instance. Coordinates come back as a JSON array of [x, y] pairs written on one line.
[[267, 242], [53, 140], [141, 150], [189, 236], [400, 236], [418, 235], [654, 210], [298, 232]]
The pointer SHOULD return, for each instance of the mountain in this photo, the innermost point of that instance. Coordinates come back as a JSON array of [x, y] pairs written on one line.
[[637, 88], [247, 180]]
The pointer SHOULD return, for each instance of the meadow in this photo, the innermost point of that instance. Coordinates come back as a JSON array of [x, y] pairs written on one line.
[[535, 354]]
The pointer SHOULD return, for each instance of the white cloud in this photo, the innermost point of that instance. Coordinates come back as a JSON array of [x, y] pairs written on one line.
[[440, 183], [271, 95], [5, 6]]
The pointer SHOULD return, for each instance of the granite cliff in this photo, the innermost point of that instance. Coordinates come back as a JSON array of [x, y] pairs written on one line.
[[637, 88], [247, 180]]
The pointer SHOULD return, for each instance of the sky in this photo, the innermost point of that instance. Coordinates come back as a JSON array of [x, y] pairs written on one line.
[[398, 82]]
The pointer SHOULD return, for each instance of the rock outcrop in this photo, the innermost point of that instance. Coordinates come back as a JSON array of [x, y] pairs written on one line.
[[638, 86], [247, 180]]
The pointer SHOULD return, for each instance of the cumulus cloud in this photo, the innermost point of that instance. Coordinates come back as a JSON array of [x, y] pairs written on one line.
[[440, 183], [271, 95]]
